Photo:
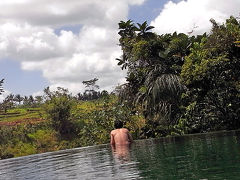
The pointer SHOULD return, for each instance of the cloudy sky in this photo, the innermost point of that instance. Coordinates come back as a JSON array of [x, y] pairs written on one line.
[[63, 42]]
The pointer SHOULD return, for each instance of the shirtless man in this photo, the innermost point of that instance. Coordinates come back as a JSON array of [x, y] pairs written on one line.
[[120, 135]]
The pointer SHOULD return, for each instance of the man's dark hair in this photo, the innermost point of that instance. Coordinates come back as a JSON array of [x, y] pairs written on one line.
[[118, 124]]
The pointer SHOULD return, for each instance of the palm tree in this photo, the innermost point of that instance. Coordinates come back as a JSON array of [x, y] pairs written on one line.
[[18, 98], [127, 29], [39, 99], [25, 100], [143, 29], [7, 102], [160, 96], [10, 99], [31, 100], [1, 88]]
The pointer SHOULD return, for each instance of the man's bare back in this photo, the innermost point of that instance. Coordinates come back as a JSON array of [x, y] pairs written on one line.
[[121, 136]]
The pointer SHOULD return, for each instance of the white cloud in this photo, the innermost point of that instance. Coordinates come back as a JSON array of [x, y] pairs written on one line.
[[66, 59], [31, 43], [62, 12], [189, 15], [4, 95], [28, 35]]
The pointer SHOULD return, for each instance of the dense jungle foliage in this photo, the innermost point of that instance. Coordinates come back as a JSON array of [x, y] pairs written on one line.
[[61, 122], [182, 83], [176, 84]]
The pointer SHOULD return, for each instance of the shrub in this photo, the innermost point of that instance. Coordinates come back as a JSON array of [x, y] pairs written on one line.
[[58, 108]]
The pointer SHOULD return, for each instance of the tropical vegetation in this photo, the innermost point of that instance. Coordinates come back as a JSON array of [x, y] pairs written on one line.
[[176, 84], [182, 83]]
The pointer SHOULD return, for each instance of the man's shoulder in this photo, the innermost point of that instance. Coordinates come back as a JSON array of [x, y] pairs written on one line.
[[119, 130], [124, 129], [113, 131]]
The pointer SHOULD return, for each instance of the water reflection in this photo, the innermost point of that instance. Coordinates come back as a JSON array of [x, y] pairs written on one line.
[[121, 153], [98, 162], [209, 156]]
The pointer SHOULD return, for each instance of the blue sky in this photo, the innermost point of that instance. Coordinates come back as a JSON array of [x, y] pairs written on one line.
[[68, 42], [23, 82], [148, 11], [18, 81]]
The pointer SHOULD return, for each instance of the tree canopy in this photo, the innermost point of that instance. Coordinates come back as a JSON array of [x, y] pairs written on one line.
[[1, 88], [180, 82]]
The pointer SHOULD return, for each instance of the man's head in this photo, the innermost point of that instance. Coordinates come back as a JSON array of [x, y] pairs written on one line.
[[118, 124]]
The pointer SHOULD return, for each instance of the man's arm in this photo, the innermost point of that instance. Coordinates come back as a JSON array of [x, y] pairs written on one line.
[[112, 139]]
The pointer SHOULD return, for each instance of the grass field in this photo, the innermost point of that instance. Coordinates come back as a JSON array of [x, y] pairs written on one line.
[[21, 115]]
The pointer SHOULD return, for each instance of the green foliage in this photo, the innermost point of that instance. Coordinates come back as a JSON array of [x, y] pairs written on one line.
[[154, 65], [44, 140], [95, 119], [1, 88], [21, 115], [207, 96], [176, 84], [22, 149], [90, 123], [211, 73], [14, 140], [58, 109]]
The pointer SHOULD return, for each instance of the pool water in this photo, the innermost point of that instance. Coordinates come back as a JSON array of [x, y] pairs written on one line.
[[203, 156]]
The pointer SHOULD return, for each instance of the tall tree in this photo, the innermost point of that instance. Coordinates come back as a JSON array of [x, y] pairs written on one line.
[[91, 89], [144, 29], [58, 109], [91, 84], [153, 65], [1, 88], [31, 100], [39, 99], [18, 98], [7, 103], [25, 100], [211, 73]]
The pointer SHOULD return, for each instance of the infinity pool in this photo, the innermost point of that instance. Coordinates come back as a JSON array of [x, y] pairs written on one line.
[[203, 156]]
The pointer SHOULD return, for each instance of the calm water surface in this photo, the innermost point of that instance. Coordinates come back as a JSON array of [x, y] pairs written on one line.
[[207, 156]]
